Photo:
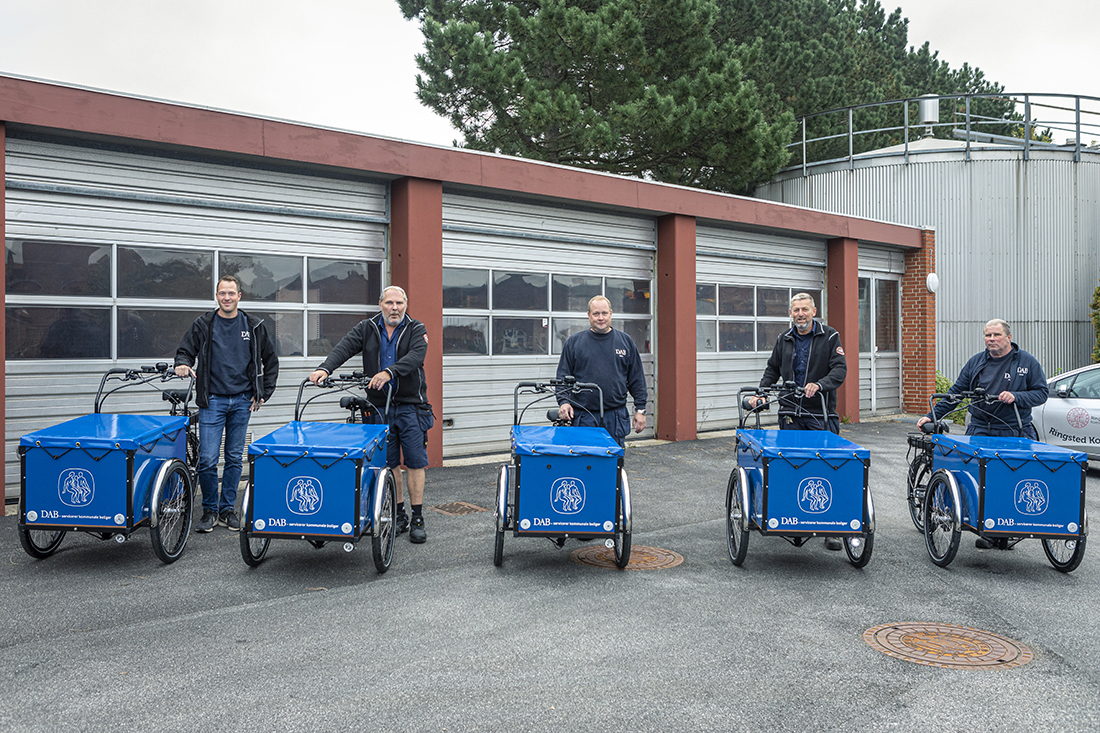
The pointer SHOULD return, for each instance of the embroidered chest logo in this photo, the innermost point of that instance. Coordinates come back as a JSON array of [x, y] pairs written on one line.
[[620, 353]]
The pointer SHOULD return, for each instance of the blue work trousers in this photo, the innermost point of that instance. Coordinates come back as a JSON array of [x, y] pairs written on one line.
[[226, 414]]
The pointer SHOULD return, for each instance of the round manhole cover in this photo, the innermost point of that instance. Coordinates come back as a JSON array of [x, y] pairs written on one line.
[[641, 557], [946, 645]]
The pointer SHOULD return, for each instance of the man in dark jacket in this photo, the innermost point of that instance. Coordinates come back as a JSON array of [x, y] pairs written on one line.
[[1004, 371], [811, 356], [393, 346], [236, 373]]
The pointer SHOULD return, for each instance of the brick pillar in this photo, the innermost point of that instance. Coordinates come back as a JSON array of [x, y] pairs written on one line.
[[918, 327], [676, 377], [416, 264], [842, 263], [3, 279]]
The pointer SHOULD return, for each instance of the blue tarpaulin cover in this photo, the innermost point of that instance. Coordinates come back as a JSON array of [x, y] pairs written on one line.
[[1020, 449], [105, 431], [795, 444], [532, 440], [321, 440]]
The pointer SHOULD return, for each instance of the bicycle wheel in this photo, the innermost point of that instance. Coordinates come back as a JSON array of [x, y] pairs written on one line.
[[941, 530], [253, 549], [385, 521], [40, 543], [737, 538], [622, 524], [858, 549], [920, 470], [501, 516], [172, 502], [1065, 555]]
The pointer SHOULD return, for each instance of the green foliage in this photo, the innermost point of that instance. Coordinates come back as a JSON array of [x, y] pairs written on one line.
[[1094, 306], [958, 416], [634, 87]]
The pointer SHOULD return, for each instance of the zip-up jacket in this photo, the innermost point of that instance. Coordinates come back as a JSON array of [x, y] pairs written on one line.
[[407, 370], [825, 365], [1023, 377], [263, 367]]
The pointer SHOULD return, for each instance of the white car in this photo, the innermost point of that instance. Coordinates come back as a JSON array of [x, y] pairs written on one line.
[[1071, 416]]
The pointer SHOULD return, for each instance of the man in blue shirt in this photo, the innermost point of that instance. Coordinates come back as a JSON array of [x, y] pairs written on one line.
[[232, 358], [393, 346], [610, 359]]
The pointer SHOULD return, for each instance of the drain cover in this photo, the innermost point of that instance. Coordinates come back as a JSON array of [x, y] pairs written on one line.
[[641, 557], [945, 645], [456, 508]]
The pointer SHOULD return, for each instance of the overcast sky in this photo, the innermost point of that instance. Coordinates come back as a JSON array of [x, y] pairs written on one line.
[[349, 63]]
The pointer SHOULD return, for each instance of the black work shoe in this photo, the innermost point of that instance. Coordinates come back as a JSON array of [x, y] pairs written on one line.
[[230, 521], [983, 544], [833, 543], [417, 535], [209, 519], [402, 523]]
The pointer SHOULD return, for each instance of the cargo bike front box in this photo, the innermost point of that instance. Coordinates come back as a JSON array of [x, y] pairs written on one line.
[[798, 484], [1010, 488], [106, 474], [320, 482]]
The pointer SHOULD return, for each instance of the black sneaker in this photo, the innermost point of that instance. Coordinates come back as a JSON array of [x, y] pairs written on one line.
[[417, 535], [983, 544], [402, 523], [833, 543], [209, 519], [230, 521]]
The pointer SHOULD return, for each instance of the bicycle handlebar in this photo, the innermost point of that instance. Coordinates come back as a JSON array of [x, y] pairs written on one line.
[[146, 374]]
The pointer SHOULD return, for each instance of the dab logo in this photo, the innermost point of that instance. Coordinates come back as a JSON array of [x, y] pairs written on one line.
[[304, 495], [1032, 497], [76, 487], [815, 495], [567, 495]]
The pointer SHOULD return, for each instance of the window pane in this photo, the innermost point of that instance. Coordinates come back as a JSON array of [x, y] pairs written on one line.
[[736, 336], [265, 277], [57, 333], [865, 315], [326, 330], [566, 327], [704, 300], [768, 332], [285, 329], [146, 272], [151, 333], [519, 335], [816, 295], [465, 335], [519, 291], [49, 268], [886, 315], [638, 330], [735, 300], [773, 302], [628, 296], [465, 288], [706, 339], [342, 281], [573, 293]]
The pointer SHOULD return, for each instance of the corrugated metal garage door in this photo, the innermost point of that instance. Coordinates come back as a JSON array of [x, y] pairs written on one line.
[[495, 338], [735, 334], [113, 199]]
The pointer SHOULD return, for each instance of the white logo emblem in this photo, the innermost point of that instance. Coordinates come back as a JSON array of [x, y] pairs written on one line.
[[76, 487], [567, 495], [304, 495], [815, 495], [1032, 497]]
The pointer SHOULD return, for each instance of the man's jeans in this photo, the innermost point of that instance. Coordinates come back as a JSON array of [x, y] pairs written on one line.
[[231, 415]]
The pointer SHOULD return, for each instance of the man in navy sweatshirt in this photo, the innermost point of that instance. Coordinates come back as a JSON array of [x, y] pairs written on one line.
[[610, 359], [1006, 372]]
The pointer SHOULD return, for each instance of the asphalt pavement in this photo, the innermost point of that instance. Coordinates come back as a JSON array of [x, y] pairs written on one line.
[[103, 636]]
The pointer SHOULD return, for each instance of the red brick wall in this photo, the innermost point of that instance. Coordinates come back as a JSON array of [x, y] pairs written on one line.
[[842, 271], [918, 327], [676, 385]]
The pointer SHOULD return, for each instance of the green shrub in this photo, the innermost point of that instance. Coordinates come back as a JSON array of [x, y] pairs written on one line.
[[942, 385]]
